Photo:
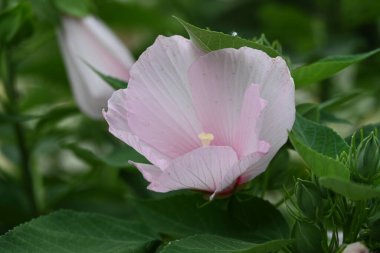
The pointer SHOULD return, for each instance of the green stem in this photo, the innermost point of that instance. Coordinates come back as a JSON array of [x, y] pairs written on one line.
[[12, 109]]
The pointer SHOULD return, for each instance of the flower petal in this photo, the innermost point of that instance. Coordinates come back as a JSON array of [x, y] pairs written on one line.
[[116, 116], [247, 139], [234, 176], [219, 81], [150, 172], [202, 169], [89, 40], [159, 104]]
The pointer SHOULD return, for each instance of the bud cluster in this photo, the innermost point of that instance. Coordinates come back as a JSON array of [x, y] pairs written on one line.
[[364, 160]]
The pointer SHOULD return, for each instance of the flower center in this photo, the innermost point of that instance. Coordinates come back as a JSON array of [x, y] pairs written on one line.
[[206, 138]]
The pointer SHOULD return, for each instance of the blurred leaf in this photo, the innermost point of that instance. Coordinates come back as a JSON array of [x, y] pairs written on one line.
[[119, 158], [215, 244], [5, 118], [84, 154], [254, 219], [113, 81], [45, 10], [15, 24], [319, 146], [68, 231], [210, 40], [351, 190], [337, 101], [331, 118], [327, 67], [55, 115], [77, 8]]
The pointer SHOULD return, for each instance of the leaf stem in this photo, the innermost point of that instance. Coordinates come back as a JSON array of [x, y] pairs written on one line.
[[11, 106]]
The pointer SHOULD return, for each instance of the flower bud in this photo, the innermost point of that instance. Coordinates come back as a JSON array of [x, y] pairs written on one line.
[[368, 158], [88, 41], [309, 198]]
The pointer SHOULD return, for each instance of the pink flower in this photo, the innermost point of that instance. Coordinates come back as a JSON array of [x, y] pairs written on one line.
[[206, 121], [88, 40], [356, 247]]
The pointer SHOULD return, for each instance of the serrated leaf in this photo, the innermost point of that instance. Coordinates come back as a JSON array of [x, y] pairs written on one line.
[[212, 243], [209, 40], [253, 220], [113, 81], [327, 67], [319, 146], [351, 190], [319, 138], [68, 231], [318, 163]]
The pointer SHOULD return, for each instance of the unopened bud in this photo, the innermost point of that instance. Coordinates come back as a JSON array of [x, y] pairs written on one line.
[[368, 158]]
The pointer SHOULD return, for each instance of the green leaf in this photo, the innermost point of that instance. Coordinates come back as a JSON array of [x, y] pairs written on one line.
[[309, 111], [327, 67], [212, 243], [77, 8], [319, 164], [209, 40], [308, 238], [113, 81], [337, 101], [351, 190], [318, 137], [253, 220], [68, 231], [319, 146]]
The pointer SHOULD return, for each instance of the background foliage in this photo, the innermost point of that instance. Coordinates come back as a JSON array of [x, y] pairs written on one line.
[[77, 165]]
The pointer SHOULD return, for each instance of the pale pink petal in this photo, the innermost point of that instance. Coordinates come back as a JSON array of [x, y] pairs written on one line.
[[235, 177], [150, 172], [219, 81], [247, 139], [87, 40], [256, 169], [278, 116], [202, 169], [116, 116], [159, 104]]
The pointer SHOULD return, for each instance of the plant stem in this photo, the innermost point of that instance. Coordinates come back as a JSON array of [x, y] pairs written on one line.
[[11, 107]]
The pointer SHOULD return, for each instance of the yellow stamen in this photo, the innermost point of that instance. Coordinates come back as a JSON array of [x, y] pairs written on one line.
[[206, 138]]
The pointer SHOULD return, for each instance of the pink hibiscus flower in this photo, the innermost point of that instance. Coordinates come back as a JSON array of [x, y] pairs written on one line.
[[206, 121]]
